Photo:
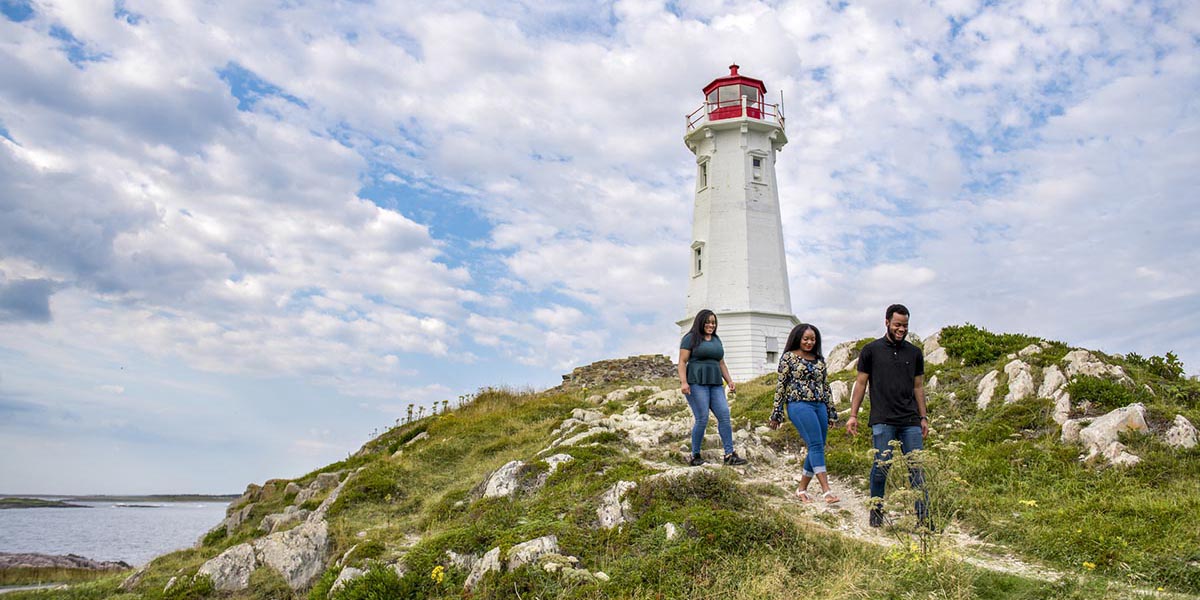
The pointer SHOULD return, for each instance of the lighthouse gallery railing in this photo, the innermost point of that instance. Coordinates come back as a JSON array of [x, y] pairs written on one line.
[[729, 109]]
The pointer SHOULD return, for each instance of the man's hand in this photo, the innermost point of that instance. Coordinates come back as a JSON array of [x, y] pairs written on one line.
[[732, 388], [924, 428], [852, 425]]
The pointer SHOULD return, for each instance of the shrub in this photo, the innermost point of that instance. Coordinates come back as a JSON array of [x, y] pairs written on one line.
[[1167, 367], [1103, 392], [382, 481], [977, 346]]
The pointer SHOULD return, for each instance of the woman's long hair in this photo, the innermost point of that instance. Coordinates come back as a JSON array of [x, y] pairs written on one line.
[[697, 331], [793, 341]]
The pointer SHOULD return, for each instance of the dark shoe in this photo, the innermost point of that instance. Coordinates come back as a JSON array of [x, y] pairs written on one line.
[[734, 460], [876, 517], [696, 460]]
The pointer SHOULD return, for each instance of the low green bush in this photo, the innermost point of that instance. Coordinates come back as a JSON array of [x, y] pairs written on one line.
[[1104, 393], [977, 346]]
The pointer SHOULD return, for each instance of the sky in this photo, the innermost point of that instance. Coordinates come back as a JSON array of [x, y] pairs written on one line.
[[236, 238]]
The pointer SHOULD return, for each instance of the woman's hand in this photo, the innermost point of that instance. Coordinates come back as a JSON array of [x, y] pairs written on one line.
[[686, 389], [773, 424]]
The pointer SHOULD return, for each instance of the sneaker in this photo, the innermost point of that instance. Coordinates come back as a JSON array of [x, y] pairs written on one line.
[[734, 460], [696, 460], [876, 517]]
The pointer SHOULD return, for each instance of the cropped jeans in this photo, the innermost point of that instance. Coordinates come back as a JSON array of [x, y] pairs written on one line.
[[811, 421], [882, 435], [705, 398]]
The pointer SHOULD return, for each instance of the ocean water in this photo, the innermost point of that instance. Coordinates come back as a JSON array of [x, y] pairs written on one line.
[[108, 531]]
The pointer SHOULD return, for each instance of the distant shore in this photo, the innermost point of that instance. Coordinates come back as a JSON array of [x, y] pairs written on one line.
[[6, 503], [122, 499]]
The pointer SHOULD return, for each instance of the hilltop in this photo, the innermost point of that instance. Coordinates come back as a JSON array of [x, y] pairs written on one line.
[[1055, 472]]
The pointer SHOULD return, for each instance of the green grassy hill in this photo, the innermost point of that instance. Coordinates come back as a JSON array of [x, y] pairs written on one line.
[[1017, 514]]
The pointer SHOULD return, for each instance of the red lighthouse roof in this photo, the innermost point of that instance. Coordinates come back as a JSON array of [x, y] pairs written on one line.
[[735, 79]]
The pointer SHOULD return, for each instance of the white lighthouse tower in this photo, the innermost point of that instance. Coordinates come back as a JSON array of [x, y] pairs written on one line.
[[738, 269]]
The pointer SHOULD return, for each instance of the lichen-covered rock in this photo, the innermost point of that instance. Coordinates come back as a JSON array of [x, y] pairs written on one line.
[[987, 389], [932, 384], [292, 488], [528, 552], [1082, 362], [1100, 437], [614, 509], [461, 561], [505, 481], [230, 570], [298, 554], [347, 575], [1029, 350], [323, 482], [839, 357], [490, 562], [672, 397], [840, 390], [277, 521], [1181, 434], [1020, 381], [937, 357]]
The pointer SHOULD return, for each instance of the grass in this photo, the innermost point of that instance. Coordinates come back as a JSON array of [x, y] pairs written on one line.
[[1007, 478], [39, 576]]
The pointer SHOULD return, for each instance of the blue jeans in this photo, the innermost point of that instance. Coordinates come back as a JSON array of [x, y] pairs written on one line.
[[703, 399], [910, 439], [812, 423]]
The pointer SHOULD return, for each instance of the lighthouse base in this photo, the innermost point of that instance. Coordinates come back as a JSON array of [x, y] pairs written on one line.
[[753, 341]]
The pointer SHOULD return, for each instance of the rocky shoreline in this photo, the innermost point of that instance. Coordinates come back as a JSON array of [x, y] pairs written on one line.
[[30, 560]]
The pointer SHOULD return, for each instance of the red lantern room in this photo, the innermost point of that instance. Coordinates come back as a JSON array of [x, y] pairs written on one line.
[[724, 96], [735, 96]]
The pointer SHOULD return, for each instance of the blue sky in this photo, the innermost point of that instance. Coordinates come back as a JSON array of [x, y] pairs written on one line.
[[236, 238]]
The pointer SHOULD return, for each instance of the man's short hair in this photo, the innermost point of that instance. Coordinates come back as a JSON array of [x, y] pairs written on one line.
[[896, 308]]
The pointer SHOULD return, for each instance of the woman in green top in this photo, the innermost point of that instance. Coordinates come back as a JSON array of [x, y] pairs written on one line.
[[702, 372]]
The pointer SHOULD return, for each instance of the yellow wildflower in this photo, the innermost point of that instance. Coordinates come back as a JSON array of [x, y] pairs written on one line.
[[438, 575], [1029, 502], [1089, 565]]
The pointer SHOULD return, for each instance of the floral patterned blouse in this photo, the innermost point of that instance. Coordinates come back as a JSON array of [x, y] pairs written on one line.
[[802, 380]]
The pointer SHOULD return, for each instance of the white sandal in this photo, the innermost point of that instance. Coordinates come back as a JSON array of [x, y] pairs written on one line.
[[804, 497], [830, 497]]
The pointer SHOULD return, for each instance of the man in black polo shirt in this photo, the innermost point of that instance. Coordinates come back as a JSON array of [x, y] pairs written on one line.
[[895, 371]]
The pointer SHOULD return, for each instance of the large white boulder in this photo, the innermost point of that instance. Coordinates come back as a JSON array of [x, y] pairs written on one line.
[[298, 553], [230, 570], [937, 357], [1181, 434], [840, 391], [1020, 381], [1082, 362], [839, 357], [614, 509], [1054, 386], [1030, 350], [505, 481], [489, 563], [1100, 438], [528, 552], [987, 388]]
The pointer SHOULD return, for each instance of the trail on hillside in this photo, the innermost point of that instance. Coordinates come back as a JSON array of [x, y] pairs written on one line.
[[656, 425]]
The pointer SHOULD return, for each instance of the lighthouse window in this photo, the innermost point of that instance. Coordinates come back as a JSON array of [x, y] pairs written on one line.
[[756, 163], [699, 256], [703, 178]]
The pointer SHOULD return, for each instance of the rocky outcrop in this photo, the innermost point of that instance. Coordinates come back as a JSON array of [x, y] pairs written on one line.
[[230, 570], [614, 509], [840, 356], [1181, 434], [937, 357], [1082, 362], [511, 478], [1020, 381], [323, 483], [30, 560], [840, 391], [291, 489], [1029, 350], [1100, 438], [490, 562], [987, 389], [277, 521], [647, 367], [1054, 387], [528, 552]]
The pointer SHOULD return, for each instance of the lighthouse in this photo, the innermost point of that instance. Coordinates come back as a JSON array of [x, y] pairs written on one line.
[[737, 264]]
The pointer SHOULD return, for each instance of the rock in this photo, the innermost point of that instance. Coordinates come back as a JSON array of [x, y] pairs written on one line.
[[528, 552], [840, 390], [277, 521], [840, 357], [236, 518], [647, 367], [461, 561], [134, 579], [1181, 434], [319, 514], [342, 561], [33, 560], [931, 384], [298, 554], [670, 530], [230, 570], [601, 576], [937, 357], [558, 459], [489, 563], [1071, 429], [852, 366], [933, 342], [347, 575], [987, 388], [505, 481], [417, 438], [1052, 382], [1100, 437], [672, 397], [291, 489], [1082, 362], [400, 570], [1029, 350], [614, 509], [323, 482], [1020, 381], [170, 584]]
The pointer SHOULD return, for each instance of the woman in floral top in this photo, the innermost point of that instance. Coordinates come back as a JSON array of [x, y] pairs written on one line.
[[804, 393]]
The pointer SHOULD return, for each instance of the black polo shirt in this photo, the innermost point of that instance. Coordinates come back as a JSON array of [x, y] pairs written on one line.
[[892, 367]]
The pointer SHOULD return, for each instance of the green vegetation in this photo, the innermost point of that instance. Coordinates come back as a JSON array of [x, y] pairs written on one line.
[[38, 576], [1000, 472]]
